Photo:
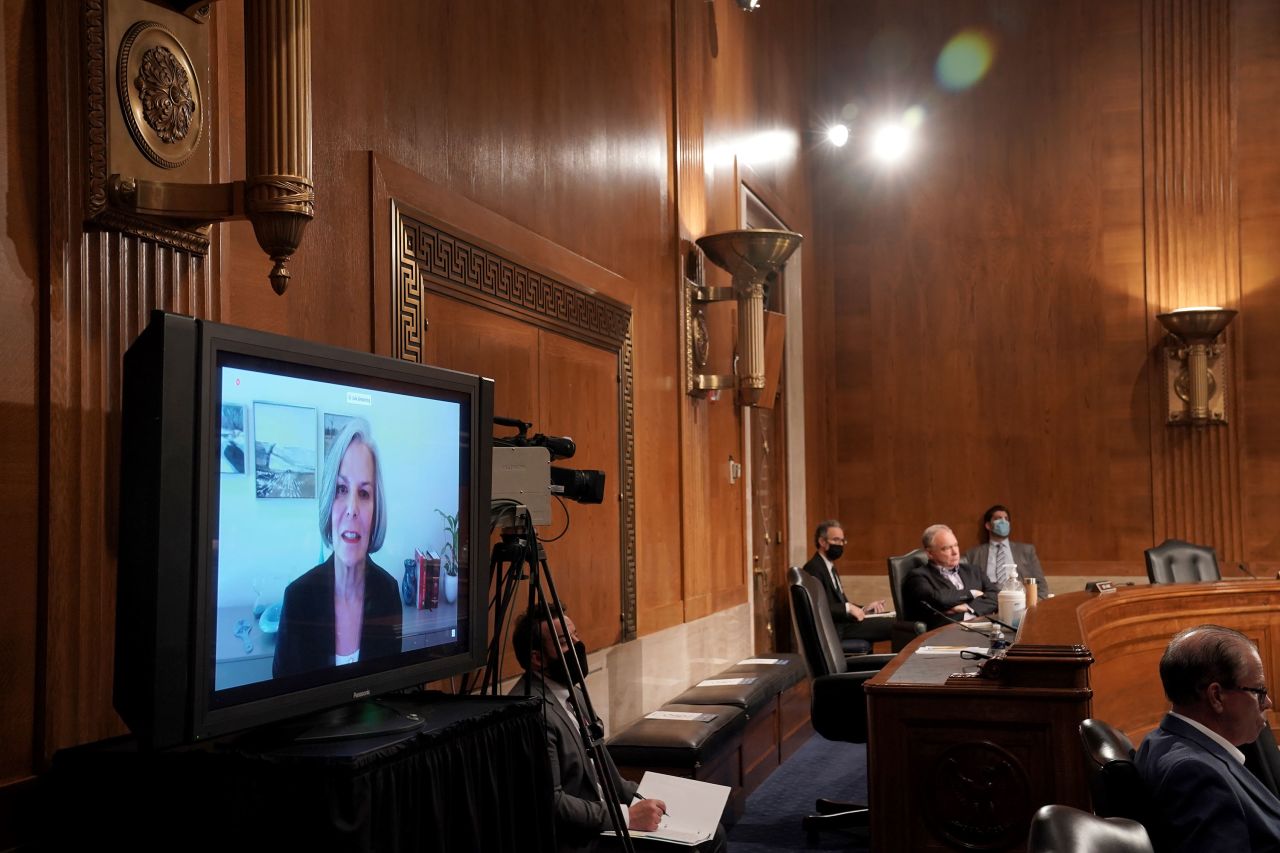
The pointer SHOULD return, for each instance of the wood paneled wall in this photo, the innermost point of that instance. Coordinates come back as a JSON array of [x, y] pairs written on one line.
[[995, 297], [557, 117]]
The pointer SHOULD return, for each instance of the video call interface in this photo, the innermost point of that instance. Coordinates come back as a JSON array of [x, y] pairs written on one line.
[[277, 434]]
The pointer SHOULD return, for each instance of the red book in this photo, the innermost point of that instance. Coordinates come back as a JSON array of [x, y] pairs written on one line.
[[428, 581]]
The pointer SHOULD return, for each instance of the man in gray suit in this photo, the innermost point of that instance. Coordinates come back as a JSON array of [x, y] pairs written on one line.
[[993, 555], [580, 808], [1204, 797]]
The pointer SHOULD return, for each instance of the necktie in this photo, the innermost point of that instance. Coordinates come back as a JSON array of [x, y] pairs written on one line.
[[839, 587], [1001, 559]]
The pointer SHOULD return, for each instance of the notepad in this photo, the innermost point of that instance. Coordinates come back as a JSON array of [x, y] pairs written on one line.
[[693, 808]]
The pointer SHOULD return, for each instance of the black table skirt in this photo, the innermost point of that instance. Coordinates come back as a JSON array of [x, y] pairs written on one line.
[[476, 777]]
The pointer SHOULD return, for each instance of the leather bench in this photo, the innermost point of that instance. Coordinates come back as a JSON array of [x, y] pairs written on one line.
[[707, 751], [757, 726], [777, 708]]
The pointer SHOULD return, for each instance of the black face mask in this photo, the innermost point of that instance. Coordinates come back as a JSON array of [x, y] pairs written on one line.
[[835, 552], [557, 669]]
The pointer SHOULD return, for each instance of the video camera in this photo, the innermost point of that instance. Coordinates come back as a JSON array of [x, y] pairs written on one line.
[[523, 473]]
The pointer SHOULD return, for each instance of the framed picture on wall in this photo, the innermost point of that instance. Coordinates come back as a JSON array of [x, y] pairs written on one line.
[[284, 450], [333, 425], [231, 450]]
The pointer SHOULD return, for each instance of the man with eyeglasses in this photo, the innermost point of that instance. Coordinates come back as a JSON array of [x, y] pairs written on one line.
[[1204, 797], [850, 619]]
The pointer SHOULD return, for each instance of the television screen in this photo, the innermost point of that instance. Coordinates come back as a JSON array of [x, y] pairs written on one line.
[[332, 502]]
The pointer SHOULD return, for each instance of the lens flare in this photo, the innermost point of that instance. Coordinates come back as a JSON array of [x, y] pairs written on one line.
[[838, 135], [965, 59], [891, 142]]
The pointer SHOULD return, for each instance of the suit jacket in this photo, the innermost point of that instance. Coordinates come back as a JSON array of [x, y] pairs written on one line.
[[925, 583], [1204, 799], [580, 815], [836, 598], [1024, 554], [306, 640]]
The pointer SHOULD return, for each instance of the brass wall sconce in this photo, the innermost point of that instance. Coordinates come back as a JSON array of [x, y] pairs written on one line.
[[751, 256], [150, 169], [1196, 365]]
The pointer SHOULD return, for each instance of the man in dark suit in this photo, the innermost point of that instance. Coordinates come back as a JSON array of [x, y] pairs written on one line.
[[947, 584], [1204, 797], [551, 674], [998, 551], [850, 619]]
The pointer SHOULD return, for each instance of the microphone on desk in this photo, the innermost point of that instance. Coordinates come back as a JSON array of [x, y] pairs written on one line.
[[994, 638], [1242, 567]]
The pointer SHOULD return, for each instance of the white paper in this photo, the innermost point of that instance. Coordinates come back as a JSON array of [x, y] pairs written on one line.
[[679, 715], [951, 650], [888, 614], [763, 661], [724, 682], [693, 808]]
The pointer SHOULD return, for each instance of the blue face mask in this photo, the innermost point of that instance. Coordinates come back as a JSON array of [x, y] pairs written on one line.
[[1000, 527]]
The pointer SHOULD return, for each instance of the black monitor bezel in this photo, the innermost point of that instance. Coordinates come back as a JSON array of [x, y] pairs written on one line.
[[208, 721]]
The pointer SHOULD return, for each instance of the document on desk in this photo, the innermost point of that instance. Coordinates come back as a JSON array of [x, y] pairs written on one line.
[[952, 650], [888, 614], [693, 808]]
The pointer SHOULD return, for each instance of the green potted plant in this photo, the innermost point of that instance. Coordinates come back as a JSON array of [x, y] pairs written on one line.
[[449, 557]]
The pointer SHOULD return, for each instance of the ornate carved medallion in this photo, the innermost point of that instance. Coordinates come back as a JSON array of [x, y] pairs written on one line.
[[979, 796], [159, 94]]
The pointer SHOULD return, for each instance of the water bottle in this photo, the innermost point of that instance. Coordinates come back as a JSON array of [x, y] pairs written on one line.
[[1012, 601]]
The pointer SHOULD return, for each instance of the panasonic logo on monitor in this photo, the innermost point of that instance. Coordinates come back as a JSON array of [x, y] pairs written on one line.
[[360, 694], [355, 398]]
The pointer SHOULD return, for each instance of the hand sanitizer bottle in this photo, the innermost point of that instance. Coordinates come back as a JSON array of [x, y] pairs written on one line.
[[1012, 601]]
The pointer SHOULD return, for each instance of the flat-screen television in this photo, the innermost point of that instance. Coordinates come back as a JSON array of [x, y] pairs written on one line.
[[301, 527]]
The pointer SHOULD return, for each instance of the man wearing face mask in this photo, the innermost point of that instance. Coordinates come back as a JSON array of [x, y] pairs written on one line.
[[850, 619], [580, 810], [993, 555]]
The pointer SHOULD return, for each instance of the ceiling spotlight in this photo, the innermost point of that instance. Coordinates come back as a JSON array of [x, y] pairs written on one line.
[[748, 5], [891, 142], [838, 135]]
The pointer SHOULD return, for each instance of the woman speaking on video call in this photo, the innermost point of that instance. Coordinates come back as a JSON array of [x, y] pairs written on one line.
[[346, 609]]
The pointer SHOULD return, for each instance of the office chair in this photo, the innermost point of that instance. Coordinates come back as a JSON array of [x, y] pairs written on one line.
[[1175, 561], [1062, 829], [1262, 757], [838, 707], [1115, 786], [904, 630]]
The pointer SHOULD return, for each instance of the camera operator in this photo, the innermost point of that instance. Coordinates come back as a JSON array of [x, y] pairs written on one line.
[[580, 814]]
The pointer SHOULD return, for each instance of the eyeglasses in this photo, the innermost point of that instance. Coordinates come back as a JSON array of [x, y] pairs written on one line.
[[835, 541], [1260, 693]]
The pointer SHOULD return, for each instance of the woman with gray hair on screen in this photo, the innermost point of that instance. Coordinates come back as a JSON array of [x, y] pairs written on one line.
[[347, 609]]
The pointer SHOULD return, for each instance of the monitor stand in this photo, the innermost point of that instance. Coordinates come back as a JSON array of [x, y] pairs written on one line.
[[366, 718]]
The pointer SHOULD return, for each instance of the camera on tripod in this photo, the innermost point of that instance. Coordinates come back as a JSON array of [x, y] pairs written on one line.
[[523, 473]]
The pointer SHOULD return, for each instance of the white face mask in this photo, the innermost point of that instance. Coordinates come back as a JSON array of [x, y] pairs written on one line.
[[1000, 527]]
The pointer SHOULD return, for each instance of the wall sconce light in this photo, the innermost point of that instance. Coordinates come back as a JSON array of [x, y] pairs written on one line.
[[150, 165], [748, 5], [1196, 365], [751, 256]]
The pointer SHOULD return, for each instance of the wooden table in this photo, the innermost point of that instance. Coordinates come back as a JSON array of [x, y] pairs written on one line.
[[964, 762]]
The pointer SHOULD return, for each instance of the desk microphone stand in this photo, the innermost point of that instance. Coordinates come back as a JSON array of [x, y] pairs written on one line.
[[519, 556]]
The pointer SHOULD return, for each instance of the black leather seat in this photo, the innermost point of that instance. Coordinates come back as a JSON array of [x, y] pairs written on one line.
[[904, 630], [838, 708], [1262, 757], [1062, 829], [1175, 561], [1114, 783]]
